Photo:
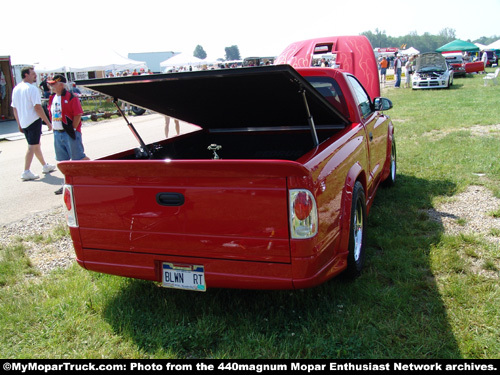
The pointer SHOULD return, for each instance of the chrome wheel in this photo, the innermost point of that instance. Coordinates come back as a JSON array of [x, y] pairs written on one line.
[[358, 231], [356, 254]]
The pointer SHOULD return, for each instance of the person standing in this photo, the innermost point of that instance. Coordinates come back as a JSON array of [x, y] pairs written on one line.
[[45, 87], [383, 69], [167, 125], [65, 111], [397, 69], [408, 72], [29, 113]]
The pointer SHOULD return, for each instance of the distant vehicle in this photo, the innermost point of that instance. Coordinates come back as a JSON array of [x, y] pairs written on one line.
[[456, 61], [432, 72], [258, 61]]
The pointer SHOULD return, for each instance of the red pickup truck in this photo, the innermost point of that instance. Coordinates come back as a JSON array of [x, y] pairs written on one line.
[[272, 192]]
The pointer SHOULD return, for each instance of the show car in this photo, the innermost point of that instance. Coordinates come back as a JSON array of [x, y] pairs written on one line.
[[431, 72], [456, 62], [272, 191]]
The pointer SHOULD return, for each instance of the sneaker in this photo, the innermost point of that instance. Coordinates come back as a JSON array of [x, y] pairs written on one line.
[[28, 175], [58, 191], [47, 168]]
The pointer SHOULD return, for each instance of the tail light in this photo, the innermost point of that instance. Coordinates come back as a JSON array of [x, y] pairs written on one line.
[[303, 214], [70, 206]]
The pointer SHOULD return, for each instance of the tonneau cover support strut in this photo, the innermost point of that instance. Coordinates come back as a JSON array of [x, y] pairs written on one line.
[[310, 119], [144, 148]]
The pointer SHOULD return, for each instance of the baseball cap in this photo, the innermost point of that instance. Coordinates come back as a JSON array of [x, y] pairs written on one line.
[[57, 78]]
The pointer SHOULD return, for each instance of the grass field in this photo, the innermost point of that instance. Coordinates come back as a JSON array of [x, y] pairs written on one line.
[[424, 293]]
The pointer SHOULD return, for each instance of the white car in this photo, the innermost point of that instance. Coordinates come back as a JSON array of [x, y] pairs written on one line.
[[431, 72]]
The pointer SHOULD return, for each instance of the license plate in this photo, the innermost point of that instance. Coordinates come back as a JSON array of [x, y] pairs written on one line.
[[182, 276]]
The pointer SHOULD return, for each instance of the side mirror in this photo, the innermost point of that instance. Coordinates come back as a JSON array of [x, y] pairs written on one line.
[[382, 104]]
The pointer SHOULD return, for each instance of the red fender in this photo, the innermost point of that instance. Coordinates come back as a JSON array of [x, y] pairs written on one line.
[[356, 173]]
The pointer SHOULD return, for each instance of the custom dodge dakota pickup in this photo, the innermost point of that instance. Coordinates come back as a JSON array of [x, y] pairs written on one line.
[[272, 192]]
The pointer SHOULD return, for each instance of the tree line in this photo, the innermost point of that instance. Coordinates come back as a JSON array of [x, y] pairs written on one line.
[[232, 53], [424, 43], [379, 39]]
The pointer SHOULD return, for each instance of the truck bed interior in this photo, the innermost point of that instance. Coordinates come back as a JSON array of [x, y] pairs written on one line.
[[243, 145]]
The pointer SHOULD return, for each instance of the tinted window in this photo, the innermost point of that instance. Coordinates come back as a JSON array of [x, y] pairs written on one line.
[[363, 99], [331, 91]]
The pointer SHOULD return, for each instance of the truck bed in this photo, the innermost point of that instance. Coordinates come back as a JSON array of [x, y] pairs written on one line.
[[274, 144]]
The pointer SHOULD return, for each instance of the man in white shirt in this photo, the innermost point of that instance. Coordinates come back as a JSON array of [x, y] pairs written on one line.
[[29, 113]]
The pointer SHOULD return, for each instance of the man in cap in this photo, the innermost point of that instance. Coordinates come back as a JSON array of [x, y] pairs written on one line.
[[66, 112], [29, 113]]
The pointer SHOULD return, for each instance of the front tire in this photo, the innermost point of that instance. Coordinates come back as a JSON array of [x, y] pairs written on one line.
[[391, 179], [357, 237]]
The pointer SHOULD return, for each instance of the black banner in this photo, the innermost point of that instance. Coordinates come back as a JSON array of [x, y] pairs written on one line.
[[230, 366]]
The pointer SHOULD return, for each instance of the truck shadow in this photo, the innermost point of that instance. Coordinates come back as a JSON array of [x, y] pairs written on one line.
[[394, 310]]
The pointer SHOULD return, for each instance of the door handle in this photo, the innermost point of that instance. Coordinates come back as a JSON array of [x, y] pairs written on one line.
[[170, 199]]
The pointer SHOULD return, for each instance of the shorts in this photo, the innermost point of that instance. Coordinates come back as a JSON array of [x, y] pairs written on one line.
[[33, 132], [383, 71], [68, 148]]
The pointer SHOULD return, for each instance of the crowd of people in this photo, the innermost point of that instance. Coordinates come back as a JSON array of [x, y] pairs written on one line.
[[397, 62]]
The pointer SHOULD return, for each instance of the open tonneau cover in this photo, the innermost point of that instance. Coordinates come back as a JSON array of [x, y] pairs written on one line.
[[229, 99]]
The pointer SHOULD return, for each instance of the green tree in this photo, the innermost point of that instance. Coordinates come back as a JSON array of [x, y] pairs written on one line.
[[232, 53], [199, 52]]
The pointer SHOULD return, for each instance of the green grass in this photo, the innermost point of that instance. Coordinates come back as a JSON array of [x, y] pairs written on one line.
[[423, 293]]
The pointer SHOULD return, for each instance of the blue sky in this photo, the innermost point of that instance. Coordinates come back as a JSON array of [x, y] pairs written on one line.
[[257, 27]]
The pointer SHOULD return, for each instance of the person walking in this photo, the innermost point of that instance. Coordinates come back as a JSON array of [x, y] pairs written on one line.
[[65, 111], [29, 113]]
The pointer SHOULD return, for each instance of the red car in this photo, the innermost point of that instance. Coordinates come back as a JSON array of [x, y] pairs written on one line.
[[272, 192]]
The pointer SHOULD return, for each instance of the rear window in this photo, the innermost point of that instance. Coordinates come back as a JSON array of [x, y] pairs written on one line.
[[331, 91]]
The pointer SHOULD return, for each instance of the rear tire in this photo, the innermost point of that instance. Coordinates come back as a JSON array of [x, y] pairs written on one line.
[[357, 237]]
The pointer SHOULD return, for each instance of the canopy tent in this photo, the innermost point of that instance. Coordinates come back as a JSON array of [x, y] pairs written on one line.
[[410, 51], [78, 61], [182, 59], [495, 46], [458, 45]]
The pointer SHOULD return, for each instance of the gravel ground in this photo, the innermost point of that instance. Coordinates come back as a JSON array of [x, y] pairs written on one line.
[[44, 256], [468, 212]]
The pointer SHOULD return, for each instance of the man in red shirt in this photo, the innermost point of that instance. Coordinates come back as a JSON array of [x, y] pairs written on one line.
[[66, 113]]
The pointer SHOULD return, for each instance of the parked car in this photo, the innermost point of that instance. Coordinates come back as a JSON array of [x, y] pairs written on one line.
[[456, 61], [432, 71]]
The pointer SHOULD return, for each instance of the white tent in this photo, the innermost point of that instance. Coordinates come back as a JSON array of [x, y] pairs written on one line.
[[410, 51], [182, 59], [86, 61], [109, 60], [494, 45]]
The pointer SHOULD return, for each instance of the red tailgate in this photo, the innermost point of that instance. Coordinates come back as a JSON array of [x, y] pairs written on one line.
[[224, 215]]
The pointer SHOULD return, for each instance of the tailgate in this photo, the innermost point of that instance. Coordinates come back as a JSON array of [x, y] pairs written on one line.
[[211, 209]]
